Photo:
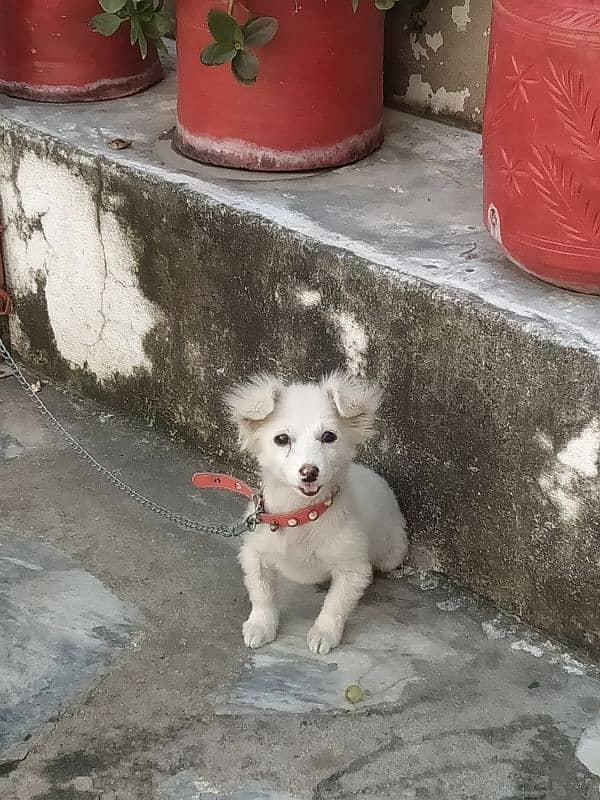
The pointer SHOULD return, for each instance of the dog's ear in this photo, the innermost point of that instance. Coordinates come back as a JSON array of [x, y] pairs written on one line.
[[250, 403], [356, 402]]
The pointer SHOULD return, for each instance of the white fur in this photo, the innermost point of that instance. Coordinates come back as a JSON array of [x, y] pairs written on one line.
[[363, 529]]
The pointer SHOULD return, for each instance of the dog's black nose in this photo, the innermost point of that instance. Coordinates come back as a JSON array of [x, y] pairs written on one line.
[[309, 473]]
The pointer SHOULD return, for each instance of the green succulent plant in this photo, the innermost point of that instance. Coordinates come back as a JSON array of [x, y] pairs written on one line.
[[234, 43], [147, 21]]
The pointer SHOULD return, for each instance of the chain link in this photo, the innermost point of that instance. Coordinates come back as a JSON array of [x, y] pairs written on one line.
[[227, 531]]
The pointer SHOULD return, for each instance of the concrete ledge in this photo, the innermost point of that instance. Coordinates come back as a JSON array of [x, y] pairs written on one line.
[[152, 284]]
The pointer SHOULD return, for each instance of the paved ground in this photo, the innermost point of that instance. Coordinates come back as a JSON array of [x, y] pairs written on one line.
[[124, 676]]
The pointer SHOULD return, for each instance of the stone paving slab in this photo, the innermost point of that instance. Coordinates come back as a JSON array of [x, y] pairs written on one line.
[[60, 629]]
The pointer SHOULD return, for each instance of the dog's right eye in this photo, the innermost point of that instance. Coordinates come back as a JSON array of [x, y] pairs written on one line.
[[282, 440]]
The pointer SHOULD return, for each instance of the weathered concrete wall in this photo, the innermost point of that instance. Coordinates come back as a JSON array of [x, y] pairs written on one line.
[[68, 250], [155, 298], [436, 58]]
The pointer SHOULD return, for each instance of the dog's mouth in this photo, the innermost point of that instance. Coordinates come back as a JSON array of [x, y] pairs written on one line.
[[309, 491]]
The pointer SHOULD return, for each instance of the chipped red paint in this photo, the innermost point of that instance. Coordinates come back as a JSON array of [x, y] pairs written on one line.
[[318, 100], [49, 53], [247, 155]]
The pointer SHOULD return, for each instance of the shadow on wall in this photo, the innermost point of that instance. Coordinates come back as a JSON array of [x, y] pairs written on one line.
[[436, 58]]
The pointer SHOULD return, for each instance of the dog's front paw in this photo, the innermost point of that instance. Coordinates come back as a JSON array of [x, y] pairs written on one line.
[[259, 630], [323, 637]]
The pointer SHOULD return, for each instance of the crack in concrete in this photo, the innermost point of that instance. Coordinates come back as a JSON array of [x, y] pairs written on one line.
[[326, 786], [122, 284], [330, 787], [99, 209]]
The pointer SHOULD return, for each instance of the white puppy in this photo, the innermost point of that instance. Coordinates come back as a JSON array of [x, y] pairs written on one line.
[[304, 437]]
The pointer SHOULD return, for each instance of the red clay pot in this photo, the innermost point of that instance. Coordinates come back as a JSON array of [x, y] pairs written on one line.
[[318, 100], [542, 138], [48, 53]]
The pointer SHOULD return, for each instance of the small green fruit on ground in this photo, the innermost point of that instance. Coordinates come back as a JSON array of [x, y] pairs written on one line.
[[354, 694]]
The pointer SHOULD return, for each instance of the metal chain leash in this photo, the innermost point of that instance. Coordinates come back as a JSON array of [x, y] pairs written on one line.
[[227, 531]]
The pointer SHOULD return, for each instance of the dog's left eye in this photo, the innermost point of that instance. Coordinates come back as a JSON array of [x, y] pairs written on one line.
[[328, 437]]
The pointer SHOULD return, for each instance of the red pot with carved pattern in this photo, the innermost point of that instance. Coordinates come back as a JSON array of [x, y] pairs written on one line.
[[49, 53], [318, 98], [541, 141]]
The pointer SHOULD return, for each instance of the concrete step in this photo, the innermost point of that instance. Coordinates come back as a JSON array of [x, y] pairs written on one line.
[[125, 638], [153, 283]]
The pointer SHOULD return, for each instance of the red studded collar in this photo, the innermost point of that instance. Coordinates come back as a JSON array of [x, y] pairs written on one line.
[[213, 480]]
